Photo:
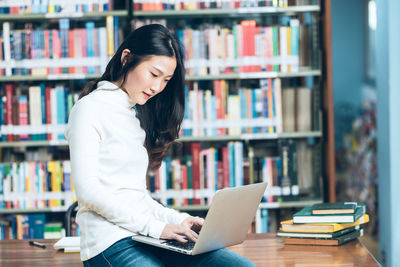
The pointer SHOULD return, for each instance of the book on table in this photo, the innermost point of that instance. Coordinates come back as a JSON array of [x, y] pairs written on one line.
[[318, 235], [334, 208], [305, 216], [336, 241], [289, 226], [68, 244]]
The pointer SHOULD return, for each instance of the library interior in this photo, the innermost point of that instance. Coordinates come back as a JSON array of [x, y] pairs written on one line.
[[298, 94]]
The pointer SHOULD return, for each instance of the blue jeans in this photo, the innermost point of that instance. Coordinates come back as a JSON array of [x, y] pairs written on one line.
[[128, 252]]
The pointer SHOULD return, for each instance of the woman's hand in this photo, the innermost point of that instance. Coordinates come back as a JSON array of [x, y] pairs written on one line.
[[194, 223], [186, 228]]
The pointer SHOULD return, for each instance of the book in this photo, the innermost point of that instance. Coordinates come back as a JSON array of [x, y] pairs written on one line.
[[334, 208], [305, 216], [303, 115], [324, 242], [318, 235], [195, 151], [288, 109], [68, 244], [288, 155], [305, 159]]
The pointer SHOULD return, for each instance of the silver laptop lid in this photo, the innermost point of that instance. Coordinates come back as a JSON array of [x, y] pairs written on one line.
[[229, 217]]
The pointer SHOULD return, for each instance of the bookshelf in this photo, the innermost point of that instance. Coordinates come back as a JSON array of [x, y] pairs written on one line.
[[317, 72], [35, 210], [66, 76], [228, 12], [50, 77], [245, 137], [275, 205], [75, 15], [319, 137]]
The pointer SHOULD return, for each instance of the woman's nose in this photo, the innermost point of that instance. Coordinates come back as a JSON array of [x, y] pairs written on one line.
[[156, 87]]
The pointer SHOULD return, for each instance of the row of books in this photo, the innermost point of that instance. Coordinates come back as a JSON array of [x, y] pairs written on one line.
[[326, 224], [214, 112], [206, 108], [190, 181], [243, 47], [194, 179], [159, 5], [29, 185], [282, 44], [31, 226], [38, 52], [53, 6], [41, 106], [288, 109], [60, 6]]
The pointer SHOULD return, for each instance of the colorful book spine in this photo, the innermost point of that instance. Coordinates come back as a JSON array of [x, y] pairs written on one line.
[[54, 7], [90, 46], [156, 5], [23, 114], [110, 35], [2, 118], [207, 110], [25, 185], [64, 28]]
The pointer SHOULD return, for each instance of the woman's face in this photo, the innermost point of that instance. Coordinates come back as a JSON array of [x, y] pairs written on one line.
[[149, 78]]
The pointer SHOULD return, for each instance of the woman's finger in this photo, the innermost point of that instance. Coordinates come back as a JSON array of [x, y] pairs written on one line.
[[179, 238], [194, 234], [191, 235], [199, 220]]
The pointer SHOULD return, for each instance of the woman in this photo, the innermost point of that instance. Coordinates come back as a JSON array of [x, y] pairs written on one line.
[[122, 125]]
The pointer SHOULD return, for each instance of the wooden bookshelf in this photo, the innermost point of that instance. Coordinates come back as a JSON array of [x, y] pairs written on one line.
[[265, 205], [248, 137], [244, 11], [28, 211], [321, 74], [51, 77], [74, 15], [238, 76], [256, 75], [33, 143], [329, 128]]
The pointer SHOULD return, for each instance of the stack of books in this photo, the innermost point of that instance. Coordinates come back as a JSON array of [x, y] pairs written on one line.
[[326, 224]]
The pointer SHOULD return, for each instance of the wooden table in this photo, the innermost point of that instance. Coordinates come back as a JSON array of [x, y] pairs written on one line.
[[262, 249]]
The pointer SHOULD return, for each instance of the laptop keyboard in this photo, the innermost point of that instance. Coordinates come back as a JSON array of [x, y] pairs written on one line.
[[189, 245]]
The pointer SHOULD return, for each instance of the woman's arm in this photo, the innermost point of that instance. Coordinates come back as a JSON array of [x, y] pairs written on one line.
[[178, 223], [83, 134], [166, 214]]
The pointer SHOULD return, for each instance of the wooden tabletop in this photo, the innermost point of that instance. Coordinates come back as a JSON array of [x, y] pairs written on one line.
[[262, 249], [269, 250]]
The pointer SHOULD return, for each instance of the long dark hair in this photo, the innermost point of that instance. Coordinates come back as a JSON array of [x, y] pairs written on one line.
[[161, 116]]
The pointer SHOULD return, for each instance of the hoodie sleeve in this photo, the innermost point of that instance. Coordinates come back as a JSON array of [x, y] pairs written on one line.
[[84, 137]]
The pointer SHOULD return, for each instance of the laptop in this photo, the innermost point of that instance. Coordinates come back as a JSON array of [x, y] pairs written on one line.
[[227, 222]]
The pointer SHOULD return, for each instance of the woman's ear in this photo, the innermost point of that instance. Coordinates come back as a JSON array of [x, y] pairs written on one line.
[[124, 55]]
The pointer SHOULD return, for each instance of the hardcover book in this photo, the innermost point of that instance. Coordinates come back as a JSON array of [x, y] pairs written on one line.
[[318, 235], [324, 242], [334, 208], [320, 227], [305, 216]]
